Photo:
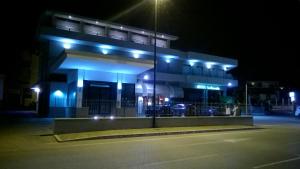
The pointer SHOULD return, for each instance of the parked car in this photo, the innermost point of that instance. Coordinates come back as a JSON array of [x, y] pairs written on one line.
[[297, 112], [178, 110]]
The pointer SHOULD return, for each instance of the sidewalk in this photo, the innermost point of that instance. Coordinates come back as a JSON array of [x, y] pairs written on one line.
[[110, 134]]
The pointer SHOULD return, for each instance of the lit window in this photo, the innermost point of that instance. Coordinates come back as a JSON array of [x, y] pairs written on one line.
[[146, 77]]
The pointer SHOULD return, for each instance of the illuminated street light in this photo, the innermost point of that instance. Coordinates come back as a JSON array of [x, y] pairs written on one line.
[[37, 90], [246, 101]]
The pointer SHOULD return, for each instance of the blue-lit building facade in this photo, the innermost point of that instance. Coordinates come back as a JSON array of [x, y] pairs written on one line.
[[107, 69]]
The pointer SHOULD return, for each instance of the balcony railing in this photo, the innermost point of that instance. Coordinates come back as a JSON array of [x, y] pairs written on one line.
[[98, 30]]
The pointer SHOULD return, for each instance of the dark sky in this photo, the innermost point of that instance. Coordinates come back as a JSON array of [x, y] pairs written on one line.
[[263, 35]]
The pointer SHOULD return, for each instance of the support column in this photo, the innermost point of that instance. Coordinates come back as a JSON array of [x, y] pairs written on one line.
[[79, 91], [106, 31], [119, 95], [168, 43], [129, 35], [119, 91], [150, 40], [205, 99], [81, 27], [79, 97]]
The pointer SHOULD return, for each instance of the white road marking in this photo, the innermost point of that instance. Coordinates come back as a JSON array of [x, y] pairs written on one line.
[[277, 162], [268, 125], [180, 160], [236, 140], [216, 142]]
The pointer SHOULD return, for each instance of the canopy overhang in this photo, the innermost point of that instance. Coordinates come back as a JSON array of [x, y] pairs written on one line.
[[99, 62]]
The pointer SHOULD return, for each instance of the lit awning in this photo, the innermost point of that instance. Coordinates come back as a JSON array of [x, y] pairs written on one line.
[[100, 62]]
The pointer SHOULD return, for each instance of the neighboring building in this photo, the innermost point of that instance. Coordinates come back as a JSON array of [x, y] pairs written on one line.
[[261, 92], [17, 93], [96, 67], [270, 97]]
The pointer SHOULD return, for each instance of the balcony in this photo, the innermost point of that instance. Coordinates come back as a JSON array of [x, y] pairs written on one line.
[[84, 26], [190, 80]]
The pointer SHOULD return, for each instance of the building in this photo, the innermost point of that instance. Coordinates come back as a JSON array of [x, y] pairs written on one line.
[[271, 97], [92, 67], [16, 93]]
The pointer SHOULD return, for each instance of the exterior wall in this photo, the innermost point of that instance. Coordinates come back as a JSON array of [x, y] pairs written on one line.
[[89, 124], [55, 50], [109, 77], [58, 94], [58, 100]]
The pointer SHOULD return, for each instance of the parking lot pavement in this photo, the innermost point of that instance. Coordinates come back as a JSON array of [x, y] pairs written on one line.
[[276, 146]]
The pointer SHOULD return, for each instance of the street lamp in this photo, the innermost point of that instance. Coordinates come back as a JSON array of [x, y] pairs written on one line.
[[37, 90], [246, 100], [154, 68]]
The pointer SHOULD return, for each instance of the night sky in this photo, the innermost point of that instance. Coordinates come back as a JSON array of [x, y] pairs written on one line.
[[263, 35]]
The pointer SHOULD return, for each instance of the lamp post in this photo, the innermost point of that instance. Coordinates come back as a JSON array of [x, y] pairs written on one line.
[[37, 90], [154, 68], [246, 99]]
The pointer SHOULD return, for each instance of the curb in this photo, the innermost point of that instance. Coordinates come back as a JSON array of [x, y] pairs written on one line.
[[58, 139]]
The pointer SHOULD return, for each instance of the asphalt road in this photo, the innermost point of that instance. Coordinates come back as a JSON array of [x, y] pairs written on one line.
[[28, 145]]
